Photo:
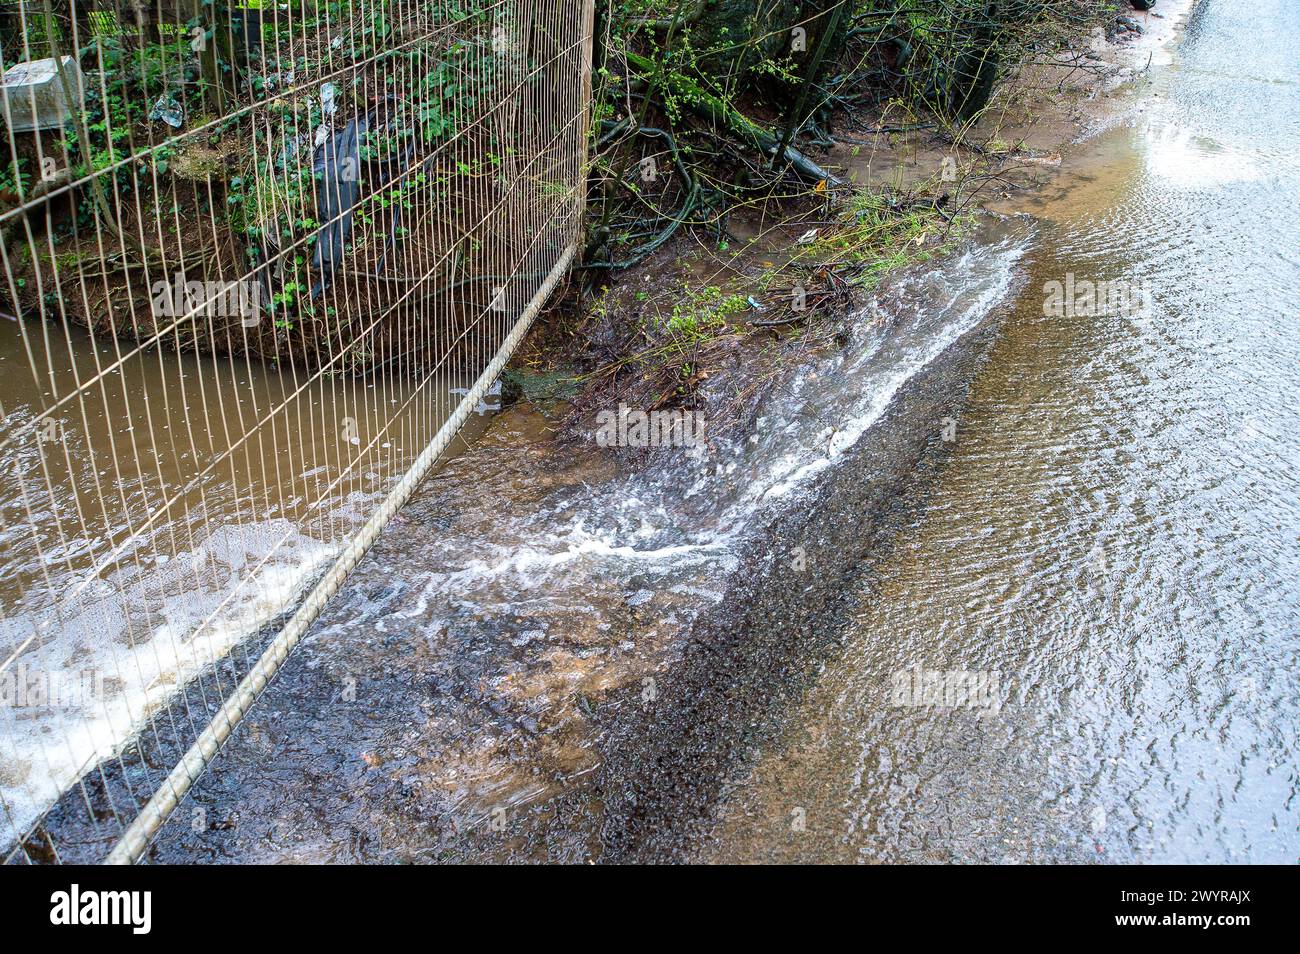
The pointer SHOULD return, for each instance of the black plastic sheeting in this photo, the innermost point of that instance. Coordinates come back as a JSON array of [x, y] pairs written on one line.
[[337, 167]]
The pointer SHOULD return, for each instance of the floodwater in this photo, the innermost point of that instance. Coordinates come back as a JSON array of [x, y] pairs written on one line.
[[167, 508], [1085, 646], [1102, 575], [459, 674]]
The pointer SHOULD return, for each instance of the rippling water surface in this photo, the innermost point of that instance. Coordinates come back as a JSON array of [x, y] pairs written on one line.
[[1111, 552], [1106, 566]]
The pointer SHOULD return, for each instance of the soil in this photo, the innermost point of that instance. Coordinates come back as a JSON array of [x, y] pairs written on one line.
[[594, 342]]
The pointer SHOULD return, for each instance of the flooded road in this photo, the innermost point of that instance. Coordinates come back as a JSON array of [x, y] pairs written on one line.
[[1085, 647], [1081, 645], [461, 697]]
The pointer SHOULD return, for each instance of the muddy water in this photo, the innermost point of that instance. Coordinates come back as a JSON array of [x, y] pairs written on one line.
[[1085, 647], [1110, 549], [531, 602], [105, 589]]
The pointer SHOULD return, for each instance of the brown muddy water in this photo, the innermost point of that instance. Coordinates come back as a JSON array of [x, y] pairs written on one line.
[[1085, 646], [96, 578], [498, 678]]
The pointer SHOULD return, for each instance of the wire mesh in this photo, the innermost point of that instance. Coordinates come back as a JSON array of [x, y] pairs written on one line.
[[259, 262]]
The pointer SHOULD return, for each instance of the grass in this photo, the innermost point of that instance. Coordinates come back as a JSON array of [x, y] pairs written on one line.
[[878, 233], [702, 313]]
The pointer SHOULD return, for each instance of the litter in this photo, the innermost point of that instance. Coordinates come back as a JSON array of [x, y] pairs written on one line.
[[169, 111], [328, 94], [338, 175]]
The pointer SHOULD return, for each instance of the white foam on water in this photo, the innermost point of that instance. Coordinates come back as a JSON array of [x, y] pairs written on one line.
[[139, 627], [626, 532], [978, 280], [137, 636]]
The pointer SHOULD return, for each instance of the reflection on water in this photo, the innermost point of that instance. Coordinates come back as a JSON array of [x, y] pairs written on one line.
[[1113, 543]]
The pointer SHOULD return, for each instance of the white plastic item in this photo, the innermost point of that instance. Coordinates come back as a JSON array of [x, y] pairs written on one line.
[[32, 94]]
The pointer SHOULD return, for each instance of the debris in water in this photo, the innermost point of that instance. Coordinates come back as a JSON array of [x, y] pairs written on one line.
[[338, 170]]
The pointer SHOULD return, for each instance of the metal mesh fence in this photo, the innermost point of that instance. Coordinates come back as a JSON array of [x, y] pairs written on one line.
[[260, 263]]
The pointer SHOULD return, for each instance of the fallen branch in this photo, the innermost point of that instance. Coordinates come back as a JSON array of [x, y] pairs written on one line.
[[713, 109]]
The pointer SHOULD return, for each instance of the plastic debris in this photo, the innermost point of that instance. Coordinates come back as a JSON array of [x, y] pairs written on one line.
[[337, 167], [328, 95], [169, 111], [32, 95]]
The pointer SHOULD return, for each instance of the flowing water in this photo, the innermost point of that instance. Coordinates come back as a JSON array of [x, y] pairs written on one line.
[[1085, 647], [523, 585], [124, 600], [1106, 562], [510, 590]]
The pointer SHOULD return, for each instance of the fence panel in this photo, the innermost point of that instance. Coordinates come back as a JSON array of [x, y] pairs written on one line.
[[260, 263]]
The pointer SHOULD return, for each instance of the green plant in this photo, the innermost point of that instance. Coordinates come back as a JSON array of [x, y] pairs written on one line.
[[702, 313], [14, 178]]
